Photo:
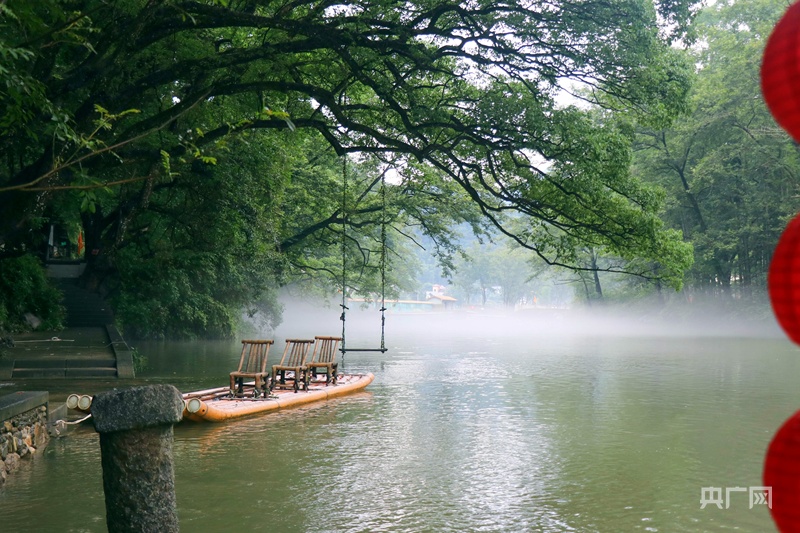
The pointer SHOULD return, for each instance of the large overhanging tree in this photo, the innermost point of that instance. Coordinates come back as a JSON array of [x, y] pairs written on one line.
[[138, 96]]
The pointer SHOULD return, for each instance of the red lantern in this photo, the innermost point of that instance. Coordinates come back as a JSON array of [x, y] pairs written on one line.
[[783, 280], [782, 475], [780, 72], [780, 84]]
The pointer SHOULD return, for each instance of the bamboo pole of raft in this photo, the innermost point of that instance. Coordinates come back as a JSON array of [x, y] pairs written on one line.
[[215, 390]]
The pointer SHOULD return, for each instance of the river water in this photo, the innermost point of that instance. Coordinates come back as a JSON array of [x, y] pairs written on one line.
[[472, 425]]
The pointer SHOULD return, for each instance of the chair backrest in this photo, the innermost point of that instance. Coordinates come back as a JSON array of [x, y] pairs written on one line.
[[296, 352], [325, 349], [254, 356]]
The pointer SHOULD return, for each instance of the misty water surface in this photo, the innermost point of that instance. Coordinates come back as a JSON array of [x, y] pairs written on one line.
[[473, 423]]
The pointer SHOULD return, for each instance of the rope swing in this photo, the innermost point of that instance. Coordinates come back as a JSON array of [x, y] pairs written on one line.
[[382, 264]]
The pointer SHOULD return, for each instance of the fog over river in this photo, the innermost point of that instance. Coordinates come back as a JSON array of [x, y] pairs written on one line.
[[544, 420]]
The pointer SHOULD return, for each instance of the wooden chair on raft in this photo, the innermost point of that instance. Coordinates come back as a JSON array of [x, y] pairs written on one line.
[[252, 365], [293, 360], [324, 356]]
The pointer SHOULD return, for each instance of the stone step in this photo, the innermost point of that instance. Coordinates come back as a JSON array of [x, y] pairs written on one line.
[[91, 372], [65, 367], [106, 362], [49, 362], [39, 373], [64, 372], [43, 363]]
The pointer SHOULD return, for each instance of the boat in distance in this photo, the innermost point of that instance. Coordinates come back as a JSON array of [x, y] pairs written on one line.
[[219, 405]]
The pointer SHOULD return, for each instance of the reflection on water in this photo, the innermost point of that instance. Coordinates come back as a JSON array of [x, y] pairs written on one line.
[[510, 433]]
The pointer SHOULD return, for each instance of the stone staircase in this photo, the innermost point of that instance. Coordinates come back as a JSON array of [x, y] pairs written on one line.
[[90, 347], [84, 308]]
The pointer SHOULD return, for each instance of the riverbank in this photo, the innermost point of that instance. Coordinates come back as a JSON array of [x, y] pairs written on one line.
[[26, 422]]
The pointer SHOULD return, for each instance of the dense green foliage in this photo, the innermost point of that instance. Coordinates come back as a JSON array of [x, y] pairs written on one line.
[[730, 171], [25, 290], [202, 142]]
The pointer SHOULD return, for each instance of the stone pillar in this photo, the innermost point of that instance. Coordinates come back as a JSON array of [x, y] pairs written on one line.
[[135, 427]]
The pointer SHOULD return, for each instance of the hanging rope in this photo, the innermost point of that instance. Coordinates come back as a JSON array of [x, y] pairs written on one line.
[[344, 254], [383, 262]]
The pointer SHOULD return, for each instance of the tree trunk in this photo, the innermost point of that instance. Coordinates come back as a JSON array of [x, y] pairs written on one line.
[[597, 288]]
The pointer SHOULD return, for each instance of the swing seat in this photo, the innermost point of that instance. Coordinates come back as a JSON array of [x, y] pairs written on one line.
[[252, 365], [294, 361], [324, 356]]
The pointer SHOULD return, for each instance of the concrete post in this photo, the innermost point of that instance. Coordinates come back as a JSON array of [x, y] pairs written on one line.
[[135, 427]]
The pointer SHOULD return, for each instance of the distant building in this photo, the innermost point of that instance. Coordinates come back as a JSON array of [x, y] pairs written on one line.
[[434, 303], [448, 302], [397, 306], [438, 297]]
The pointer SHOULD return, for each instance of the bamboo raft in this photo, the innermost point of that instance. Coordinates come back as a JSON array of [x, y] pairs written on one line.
[[217, 405]]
